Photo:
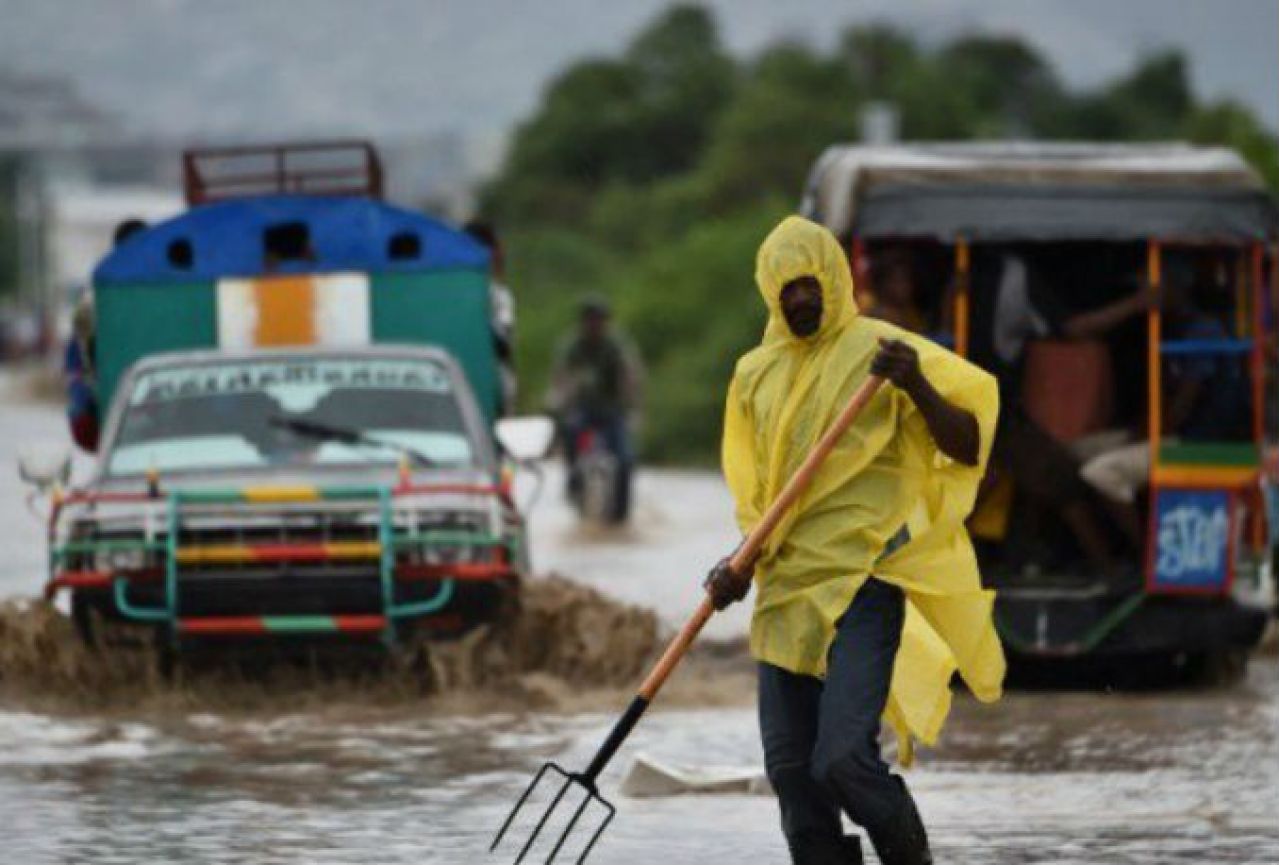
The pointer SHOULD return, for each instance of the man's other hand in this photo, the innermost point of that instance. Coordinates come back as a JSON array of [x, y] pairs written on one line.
[[726, 586], [899, 363]]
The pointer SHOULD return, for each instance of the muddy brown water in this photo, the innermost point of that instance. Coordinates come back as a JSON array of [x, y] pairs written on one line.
[[109, 765]]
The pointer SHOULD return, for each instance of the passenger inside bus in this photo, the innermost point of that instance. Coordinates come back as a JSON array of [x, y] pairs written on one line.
[[1205, 391], [1063, 326], [893, 295], [1015, 305]]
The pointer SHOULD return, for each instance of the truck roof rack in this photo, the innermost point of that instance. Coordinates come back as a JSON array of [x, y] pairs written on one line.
[[340, 167]]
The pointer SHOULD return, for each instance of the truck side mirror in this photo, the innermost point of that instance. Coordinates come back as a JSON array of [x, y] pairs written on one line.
[[43, 468], [526, 439]]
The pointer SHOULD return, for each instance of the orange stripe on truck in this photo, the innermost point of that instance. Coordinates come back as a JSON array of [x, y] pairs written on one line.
[[286, 311]]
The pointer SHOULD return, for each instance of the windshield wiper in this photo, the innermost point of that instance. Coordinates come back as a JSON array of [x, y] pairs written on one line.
[[348, 436]]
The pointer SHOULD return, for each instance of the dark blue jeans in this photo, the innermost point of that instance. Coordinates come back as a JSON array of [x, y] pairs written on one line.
[[821, 737]]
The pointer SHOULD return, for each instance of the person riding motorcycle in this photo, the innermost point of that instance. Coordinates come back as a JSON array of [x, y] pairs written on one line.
[[595, 387]]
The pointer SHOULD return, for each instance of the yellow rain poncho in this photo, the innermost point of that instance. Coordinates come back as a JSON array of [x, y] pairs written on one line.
[[885, 474]]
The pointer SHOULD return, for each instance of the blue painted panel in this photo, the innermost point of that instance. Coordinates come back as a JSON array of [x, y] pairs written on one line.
[[226, 239], [1192, 536], [1205, 346]]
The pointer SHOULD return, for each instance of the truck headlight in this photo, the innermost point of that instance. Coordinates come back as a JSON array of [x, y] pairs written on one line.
[[121, 560]]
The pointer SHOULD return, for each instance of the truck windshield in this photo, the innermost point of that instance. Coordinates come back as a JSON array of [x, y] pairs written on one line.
[[262, 413]]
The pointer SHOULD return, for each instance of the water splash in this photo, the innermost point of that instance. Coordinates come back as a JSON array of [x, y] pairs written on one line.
[[566, 638]]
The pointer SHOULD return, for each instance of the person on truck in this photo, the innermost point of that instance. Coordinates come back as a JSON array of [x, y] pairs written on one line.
[[1022, 308], [869, 597], [893, 286], [595, 386], [503, 310], [79, 367], [1207, 399]]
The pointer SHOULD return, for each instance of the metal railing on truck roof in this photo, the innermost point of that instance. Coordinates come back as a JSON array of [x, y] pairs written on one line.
[[340, 167]]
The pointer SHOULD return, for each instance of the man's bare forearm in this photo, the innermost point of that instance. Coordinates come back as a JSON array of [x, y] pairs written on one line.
[[953, 428]]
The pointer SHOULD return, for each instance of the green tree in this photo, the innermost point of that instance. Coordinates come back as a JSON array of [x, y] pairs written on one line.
[[1150, 103], [634, 119], [687, 79], [692, 307], [583, 135], [880, 57], [789, 107], [1010, 90]]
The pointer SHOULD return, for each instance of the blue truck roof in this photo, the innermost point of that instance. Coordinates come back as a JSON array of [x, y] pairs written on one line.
[[226, 239]]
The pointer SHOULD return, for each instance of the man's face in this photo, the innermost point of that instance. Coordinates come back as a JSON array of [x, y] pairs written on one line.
[[802, 305], [594, 325]]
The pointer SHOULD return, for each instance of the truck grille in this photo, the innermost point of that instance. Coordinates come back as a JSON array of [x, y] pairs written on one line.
[[312, 562]]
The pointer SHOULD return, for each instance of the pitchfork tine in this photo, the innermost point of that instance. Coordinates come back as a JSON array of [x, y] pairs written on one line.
[[510, 818], [541, 824], [598, 832], [569, 828]]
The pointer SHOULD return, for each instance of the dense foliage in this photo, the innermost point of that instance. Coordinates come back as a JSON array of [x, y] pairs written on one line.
[[651, 177]]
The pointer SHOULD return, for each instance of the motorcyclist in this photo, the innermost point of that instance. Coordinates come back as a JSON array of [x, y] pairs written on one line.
[[595, 385]]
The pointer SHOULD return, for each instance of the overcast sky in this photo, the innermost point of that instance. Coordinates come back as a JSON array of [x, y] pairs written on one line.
[[271, 68]]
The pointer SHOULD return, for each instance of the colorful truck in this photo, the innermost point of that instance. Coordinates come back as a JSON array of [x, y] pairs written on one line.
[[302, 442], [1096, 223]]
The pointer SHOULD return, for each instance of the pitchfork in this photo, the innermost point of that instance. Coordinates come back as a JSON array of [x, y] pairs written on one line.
[[741, 560]]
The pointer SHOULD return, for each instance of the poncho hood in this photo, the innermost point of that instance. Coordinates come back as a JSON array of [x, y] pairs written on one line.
[[798, 248]]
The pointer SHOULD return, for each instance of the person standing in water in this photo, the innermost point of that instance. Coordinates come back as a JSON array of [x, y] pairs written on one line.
[[868, 594]]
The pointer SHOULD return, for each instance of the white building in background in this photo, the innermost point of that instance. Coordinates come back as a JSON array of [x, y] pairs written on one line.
[[80, 219], [83, 218]]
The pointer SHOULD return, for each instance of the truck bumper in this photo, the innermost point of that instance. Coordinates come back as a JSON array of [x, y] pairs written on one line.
[[336, 608], [1047, 624]]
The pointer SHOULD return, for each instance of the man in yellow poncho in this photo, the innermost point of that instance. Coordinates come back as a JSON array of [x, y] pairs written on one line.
[[869, 598]]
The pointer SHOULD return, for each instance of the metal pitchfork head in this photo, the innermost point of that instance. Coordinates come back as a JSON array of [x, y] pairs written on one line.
[[569, 781], [583, 782]]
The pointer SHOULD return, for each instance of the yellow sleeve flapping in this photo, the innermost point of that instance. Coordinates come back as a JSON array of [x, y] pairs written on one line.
[[949, 622], [920, 698], [738, 457]]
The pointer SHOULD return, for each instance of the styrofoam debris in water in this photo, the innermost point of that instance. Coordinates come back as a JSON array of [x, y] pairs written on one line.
[[651, 778]]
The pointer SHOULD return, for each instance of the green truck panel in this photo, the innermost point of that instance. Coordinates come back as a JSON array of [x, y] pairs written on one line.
[[139, 320], [445, 308]]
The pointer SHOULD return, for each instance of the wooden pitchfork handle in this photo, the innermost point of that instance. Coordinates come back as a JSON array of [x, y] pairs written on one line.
[[741, 561], [746, 554]]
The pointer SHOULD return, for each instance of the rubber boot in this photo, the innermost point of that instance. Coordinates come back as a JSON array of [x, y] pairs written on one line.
[[880, 803], [810, 820], [902, 840]]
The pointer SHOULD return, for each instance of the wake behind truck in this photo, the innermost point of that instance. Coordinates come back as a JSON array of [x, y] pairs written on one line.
[[302, 445]]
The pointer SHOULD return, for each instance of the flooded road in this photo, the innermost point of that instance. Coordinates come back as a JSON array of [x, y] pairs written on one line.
[[1178, 777]]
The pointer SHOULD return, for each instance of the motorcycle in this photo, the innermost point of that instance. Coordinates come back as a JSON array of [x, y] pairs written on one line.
[[598, 481]]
